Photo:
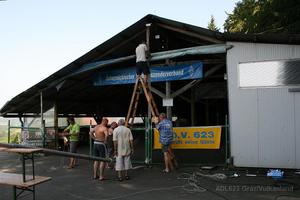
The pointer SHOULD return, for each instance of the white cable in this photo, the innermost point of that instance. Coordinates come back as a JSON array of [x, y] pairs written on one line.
[[192, 182], [217, 176]]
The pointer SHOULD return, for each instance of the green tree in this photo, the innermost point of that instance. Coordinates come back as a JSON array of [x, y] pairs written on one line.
[[212, 24], [260, 16]]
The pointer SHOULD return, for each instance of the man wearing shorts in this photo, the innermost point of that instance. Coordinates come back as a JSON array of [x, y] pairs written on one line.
[[73, 132], [123, 147], [99, 134], [141, 53], [164, 126]]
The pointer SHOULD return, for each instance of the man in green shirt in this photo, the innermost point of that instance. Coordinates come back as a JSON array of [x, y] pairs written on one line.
[[73, 131]]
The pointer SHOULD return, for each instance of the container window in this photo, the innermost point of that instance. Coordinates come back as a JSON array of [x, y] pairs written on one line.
[[269, 73]]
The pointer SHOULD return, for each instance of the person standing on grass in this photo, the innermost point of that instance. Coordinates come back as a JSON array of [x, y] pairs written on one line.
[[99, 134], [72, 131], [123, 148]]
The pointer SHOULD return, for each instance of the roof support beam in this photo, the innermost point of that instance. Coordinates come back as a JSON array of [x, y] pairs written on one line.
[[162, 95], [159, 93], [185, 88], [120, 44], [194, 82], [195, 35], [17, 115]]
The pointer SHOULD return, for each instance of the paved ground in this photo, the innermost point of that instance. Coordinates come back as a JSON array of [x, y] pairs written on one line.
[[148, 183]]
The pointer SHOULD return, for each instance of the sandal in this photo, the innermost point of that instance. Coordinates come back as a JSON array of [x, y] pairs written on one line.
[[127, 178], [165, 171]]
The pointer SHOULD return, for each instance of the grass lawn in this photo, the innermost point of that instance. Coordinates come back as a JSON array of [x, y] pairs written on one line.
[[14, 136], [3, 139]]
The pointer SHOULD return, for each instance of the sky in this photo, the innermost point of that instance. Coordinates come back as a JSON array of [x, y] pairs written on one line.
[[37, 38]]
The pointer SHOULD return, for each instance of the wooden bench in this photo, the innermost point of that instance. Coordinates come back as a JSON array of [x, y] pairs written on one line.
[[16, 180]]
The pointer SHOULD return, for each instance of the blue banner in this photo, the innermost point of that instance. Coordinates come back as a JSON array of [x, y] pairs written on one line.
[[158, 74]]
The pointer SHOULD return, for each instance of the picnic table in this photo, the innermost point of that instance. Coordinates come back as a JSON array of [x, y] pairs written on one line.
[[22, 181]]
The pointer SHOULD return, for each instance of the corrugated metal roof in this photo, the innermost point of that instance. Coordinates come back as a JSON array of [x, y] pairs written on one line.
[[123, 44]]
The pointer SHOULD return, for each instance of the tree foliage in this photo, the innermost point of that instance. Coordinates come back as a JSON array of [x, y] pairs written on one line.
[[261, 16], [212, 24]]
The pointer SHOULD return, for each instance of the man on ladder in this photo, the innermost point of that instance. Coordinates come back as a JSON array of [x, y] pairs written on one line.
[[142, 66], [142, 53], [141, 84]]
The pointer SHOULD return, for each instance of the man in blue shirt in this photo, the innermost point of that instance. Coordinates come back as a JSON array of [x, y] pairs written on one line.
[[164, 126]]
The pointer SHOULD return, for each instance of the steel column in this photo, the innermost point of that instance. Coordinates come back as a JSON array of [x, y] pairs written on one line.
[[168, 95], [42, 119], [55, 124], [8, 132]]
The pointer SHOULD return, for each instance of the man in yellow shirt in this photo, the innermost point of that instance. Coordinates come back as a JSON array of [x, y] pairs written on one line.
[[73, 131]]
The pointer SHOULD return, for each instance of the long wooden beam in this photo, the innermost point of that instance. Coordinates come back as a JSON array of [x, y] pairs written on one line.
[[121, 44], [195, 35], [59, 153]]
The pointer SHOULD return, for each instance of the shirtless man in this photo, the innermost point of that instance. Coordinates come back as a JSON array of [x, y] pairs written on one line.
[[99, 133]]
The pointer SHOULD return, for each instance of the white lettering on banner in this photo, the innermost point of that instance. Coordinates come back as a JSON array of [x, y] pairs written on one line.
[[158, 73], [166, 74], [119, 77], [153, 75]]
